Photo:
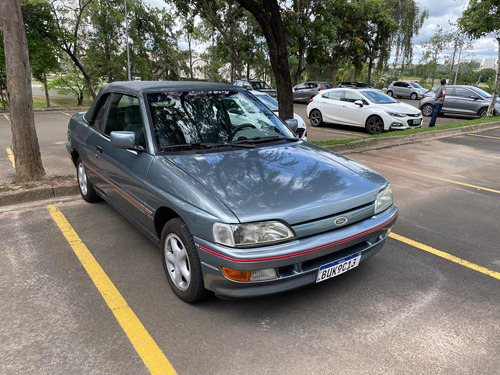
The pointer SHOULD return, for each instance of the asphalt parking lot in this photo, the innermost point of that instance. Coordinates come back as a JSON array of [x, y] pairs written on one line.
[[84, 292]]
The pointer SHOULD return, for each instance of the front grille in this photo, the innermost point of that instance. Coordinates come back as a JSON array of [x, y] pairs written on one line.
[[328, 223]]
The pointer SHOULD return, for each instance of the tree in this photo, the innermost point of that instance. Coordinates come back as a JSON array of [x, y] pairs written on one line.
[[24, 139], [379, 28], [481, 18], [70, 83], [69, 16], [267, 13], [298, 20], [410, 19], [42, 51], [432, 48], [338, 35]]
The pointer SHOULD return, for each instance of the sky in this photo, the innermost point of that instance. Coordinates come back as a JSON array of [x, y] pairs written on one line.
[[440, 13]]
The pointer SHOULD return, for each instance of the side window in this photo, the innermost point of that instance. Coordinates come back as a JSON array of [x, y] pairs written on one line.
[[98, 121], [312, 85], [397, 84], [124, 115], [351, 97], [463, 93], [302, 86], [334, 95]]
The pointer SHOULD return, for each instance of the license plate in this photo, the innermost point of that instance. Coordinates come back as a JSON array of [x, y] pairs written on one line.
[[338, 267], [417, 122]]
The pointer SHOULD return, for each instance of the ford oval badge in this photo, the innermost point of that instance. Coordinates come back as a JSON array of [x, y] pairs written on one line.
[[340, 220]]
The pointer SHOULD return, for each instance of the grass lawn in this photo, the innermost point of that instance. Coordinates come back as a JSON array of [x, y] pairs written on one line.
[[410, 131], [39, 102]]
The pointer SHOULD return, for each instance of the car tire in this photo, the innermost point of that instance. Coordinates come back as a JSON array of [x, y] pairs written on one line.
[[427, 110], [374, 125], [483, 112], [181, 262], [413, 96], [389, 93], [87, 190], [315, 118]]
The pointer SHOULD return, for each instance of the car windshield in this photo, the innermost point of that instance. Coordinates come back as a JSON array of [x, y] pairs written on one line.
[[378, 97], [259, 85], [480, 92], [268, 101], [416, 85], [209, 118]]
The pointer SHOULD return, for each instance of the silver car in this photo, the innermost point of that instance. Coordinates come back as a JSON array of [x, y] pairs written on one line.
[[405, 89], [304, 92], [465, 100]]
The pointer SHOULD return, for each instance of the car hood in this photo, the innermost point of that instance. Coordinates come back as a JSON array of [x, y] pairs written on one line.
[[267, 90], [295, 182], [400, 107]]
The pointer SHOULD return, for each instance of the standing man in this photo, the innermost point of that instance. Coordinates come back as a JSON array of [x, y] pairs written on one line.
[[438, 102]]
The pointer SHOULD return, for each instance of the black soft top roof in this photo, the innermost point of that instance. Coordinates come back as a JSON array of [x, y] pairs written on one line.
[[135, 87]]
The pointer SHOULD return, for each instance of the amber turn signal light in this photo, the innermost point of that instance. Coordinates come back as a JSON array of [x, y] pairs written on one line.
[[236, 275]]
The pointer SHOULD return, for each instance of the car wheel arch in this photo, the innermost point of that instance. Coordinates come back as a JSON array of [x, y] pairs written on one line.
[[481, 111], [161, 217], [74, 156], [373, 116]]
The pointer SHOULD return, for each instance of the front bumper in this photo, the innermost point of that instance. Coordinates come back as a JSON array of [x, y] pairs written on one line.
[[296, 262], [404, 123]]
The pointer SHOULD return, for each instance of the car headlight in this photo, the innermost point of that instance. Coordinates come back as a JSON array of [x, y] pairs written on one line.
[[252, 234], [384, 200], [395, 114]]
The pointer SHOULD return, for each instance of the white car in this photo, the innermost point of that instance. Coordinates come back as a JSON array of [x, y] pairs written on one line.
[[368, 108], [272, 104]]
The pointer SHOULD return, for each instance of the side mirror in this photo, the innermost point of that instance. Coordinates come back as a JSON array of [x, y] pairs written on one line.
[[292, 124], [359, 102], [125, 140]]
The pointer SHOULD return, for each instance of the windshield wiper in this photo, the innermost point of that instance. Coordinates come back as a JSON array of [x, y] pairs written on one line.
[[202, 146], [264, 139]]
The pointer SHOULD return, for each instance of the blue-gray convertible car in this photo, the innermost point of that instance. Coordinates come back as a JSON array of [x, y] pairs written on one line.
[[237, 203]]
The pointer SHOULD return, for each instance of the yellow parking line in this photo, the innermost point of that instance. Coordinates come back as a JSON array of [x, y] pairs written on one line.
[[483, 136], [150, 353], [447, 256], [10, 154], [441, 179], [7, 117], [486, 156], [336, 131], [67, 114]]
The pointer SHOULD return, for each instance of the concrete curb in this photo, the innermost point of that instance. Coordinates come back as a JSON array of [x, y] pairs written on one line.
[[37, 193], [376, 143]]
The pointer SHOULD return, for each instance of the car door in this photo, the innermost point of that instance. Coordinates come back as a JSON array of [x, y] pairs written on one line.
[[352, 114], [124, 171], [299, 92], [465, 101], [330, 105]]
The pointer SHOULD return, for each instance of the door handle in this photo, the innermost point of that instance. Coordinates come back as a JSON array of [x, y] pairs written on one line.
[[99, 149]]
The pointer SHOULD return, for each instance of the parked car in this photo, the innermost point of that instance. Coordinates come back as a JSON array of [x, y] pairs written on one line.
[[237, 209], [257, 85], [367, 108], [354, 84], [303, 92], [272, 104], [405, 89], [460, 99]]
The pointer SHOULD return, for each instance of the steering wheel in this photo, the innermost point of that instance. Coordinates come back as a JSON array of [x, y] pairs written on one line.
[[239, 128]]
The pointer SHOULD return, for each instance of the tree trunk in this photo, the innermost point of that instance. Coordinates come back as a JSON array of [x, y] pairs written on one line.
[[26, 150], [370, 67], [267, 14], [450, 79], [46, 89], [494, 96]]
